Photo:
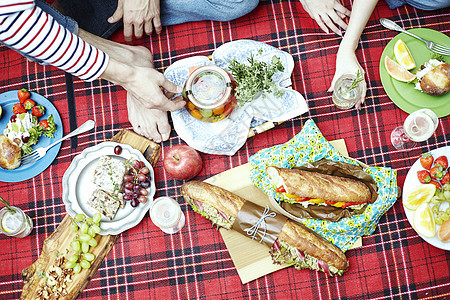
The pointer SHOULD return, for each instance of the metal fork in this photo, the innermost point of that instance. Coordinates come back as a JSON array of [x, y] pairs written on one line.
[[40, 152], [436, 48]]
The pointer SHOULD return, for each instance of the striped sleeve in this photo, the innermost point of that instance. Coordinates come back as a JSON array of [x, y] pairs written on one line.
[[26, 28]]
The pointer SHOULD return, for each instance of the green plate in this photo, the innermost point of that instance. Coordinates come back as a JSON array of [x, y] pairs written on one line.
[[403, 94]]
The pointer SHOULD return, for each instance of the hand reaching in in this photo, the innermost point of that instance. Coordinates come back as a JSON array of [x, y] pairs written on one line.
[[347, 63], [327, 14], [139, 17]]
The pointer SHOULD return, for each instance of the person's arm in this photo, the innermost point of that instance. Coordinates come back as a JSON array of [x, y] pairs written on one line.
[[327, 14], [132, 68], [26, 28], [139, 17], [346, 60]]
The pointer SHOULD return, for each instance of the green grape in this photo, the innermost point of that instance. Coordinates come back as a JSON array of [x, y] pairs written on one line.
[[96, 228], [434, 200], [75, 245], [74, 258], [447, 194], [85, 264], [97, 217], [70, 264], [73, 226], [435, 208], [79, 218], [77, 268], [89, 256], [84, 247], [91, 231], [447, 211], [92, 242], [438, 221], [84, 237], [89, 221], [444, 217], [84, 228]]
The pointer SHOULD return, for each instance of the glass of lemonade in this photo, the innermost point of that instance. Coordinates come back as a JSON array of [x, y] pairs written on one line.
[[14, 222], [419, 126], [347, 91], [166, 213]]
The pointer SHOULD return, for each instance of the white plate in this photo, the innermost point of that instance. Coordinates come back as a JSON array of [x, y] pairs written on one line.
[[411, 182], [78, 187]]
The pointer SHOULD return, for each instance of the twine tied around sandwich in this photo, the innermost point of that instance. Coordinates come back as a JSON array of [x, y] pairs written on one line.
[[259, 223], [252, 231]]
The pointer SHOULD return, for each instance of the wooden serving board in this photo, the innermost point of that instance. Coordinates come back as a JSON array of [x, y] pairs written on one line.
[[59, 241], [252, 259]]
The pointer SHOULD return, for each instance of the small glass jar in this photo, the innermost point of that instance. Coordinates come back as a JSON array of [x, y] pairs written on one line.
[[209, 94], [344, 95], [166, 213], [16, 224]]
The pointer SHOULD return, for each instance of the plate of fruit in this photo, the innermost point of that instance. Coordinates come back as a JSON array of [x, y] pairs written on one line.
[[426, 197], [410, 73], [112, 179], [29, 121]]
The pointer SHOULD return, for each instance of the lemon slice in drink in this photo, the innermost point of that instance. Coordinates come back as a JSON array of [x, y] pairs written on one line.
[[11, 222], [422, 194], [424, 221], [403, 56]]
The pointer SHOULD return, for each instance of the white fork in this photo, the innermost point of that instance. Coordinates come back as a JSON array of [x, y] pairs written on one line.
[[40, 152], [439, 49]]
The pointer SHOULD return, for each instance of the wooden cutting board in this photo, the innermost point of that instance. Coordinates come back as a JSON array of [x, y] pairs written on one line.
[[57, 243], [252, 259]]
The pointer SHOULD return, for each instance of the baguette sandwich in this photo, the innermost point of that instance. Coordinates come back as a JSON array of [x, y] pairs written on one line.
[[296, 244], [312, 188]]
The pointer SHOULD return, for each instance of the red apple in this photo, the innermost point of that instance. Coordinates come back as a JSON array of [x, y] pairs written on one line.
[[182, 162]]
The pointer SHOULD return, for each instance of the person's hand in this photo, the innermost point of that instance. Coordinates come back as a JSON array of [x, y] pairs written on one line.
[[139, 17], [152, 89], [347, 63], [327, 14]]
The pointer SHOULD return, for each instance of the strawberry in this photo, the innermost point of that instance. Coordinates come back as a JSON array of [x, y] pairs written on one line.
[[437, 172], [29, 104], [445, 179], [441, 161], [44, 124], [38, 111], [23, 95], [426, 160], [424, 176], [19, 109]]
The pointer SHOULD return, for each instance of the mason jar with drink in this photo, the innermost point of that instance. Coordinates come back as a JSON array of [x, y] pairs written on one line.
[[348, 90], [209, 93], [14, 222]]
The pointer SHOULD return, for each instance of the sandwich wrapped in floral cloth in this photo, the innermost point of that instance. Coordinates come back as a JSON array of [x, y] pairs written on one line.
[[310, 151], [289, 242]]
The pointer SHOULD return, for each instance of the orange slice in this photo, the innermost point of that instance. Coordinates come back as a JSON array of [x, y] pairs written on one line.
[[398, 72], [403, 56]]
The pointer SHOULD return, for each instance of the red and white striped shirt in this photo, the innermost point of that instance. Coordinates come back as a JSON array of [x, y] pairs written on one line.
[[27, 28]]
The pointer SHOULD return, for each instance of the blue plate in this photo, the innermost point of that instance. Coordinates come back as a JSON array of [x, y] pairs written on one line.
[[7, 101]]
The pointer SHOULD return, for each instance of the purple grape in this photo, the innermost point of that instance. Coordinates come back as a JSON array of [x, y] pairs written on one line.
[[117, 150], [134, 202], [145, 184]]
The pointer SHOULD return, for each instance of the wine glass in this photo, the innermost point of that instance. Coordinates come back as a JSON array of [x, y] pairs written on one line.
[[419, 126]]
